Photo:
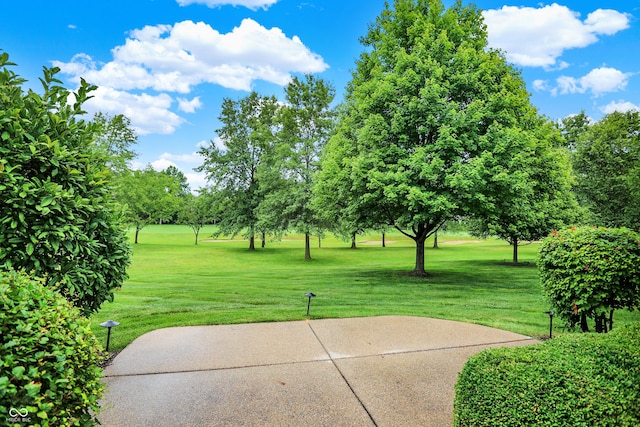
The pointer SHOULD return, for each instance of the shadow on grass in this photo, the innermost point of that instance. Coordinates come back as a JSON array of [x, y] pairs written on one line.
[[467, 274]]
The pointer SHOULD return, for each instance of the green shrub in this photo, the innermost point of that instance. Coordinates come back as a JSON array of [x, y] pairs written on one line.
[[58, 218], [573, 380], [49, 373], [588, 272]]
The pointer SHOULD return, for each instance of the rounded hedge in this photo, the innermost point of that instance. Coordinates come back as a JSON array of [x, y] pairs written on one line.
[[572, 380], [588, 272], [49, 357]]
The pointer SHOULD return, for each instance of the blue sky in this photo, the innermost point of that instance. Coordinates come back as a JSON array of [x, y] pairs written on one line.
[[167, 64]]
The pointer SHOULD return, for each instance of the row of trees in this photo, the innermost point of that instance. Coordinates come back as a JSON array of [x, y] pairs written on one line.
[[435, 126], [263, 177], [150, 196]]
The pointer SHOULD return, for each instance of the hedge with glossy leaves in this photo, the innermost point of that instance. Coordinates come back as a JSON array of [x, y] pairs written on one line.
[[58, 218], [49, 357]]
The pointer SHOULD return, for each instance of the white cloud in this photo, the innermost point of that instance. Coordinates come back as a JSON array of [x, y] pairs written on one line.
[[187, 158], [598, 81], [196, 180], [80, 64], [621, 106], [607, 21], [189, 106], [162, 59], [217, 141], [148, 113], [162, 164], [176, 58], [136, 165], [541, 85], [251, 4], [537, 37]]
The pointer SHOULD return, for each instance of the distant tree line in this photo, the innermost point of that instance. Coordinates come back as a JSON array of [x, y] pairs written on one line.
[[435, 127]]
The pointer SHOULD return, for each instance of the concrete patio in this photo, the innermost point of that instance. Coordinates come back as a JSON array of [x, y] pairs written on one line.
[[374, 371]]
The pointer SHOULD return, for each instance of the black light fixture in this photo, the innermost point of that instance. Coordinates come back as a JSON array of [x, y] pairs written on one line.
[[550, 313], [309, 295], [109, 324]]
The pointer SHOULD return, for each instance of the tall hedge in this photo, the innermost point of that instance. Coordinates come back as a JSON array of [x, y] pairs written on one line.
[[588, 272], [574, 380], [58, 218], [49, 373]]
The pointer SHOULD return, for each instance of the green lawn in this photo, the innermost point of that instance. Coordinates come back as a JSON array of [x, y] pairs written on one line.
[[175, 283]]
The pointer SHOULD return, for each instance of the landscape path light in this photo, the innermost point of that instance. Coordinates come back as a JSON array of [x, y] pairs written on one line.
[[109, 324], [550, 313], [310, 295]]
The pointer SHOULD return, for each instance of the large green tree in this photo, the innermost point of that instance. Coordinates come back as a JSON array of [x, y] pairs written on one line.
[[607, 166], [306, 122], [58, 219], [247, 135], [435, 119]]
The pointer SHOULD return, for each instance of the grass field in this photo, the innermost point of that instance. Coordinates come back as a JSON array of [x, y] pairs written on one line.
[[176, 283]]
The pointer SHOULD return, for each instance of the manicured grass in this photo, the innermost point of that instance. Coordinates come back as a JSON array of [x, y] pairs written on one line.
[[176, 283]]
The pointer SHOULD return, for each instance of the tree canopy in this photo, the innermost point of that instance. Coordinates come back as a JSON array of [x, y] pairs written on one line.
[[606, 159], [438, 124], [58, 218]]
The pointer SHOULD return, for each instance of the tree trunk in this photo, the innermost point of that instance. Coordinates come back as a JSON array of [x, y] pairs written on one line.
[[264, 239], [515, 250], [252, 239], [319, 242], [419, 270], [353, 241], [307, 247], [583, 323], [197, 232], [135, 241], [435, 240], [384, 245], [601, 323], [611, 320]]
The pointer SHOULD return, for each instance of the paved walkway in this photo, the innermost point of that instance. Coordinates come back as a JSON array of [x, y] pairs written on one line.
[[374, 371]]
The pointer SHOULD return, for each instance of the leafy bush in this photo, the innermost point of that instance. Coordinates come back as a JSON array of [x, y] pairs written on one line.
[[573, 380], [589, 272], [57, 214], [49, 373]]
